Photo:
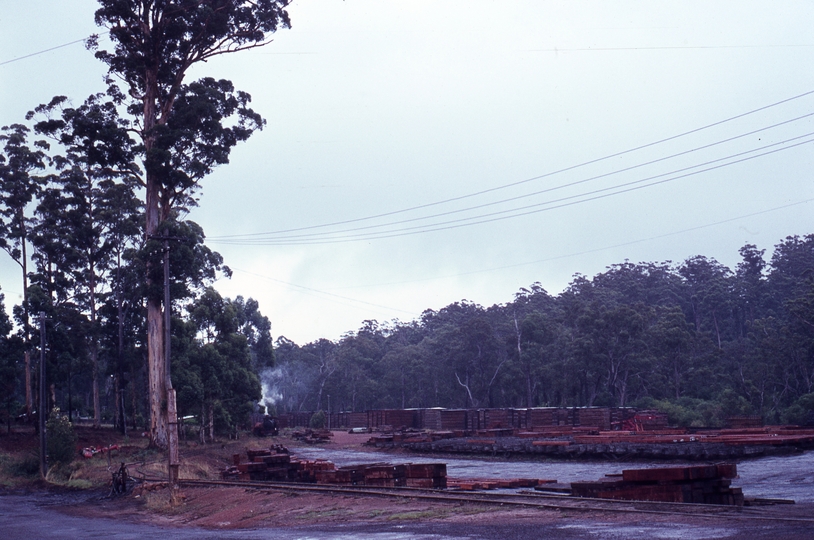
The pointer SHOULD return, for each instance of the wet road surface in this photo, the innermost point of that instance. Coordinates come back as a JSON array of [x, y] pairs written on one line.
[[777, 477], [41, 516]]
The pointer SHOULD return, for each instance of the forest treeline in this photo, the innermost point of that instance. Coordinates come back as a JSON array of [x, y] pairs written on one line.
[[93, 195], [71, 218], [697, 340], [92, 199]]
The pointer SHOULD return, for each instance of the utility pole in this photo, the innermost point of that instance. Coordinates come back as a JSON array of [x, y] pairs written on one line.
[[173, 460], [42, 406]]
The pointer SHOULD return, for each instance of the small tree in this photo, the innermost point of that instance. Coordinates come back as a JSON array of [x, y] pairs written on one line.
[[61, 439], [317, 420]]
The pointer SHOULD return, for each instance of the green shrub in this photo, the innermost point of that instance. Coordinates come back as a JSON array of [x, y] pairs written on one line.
[[28, 466], [801, 411], [317, 420], [686, 411], [61, 439]]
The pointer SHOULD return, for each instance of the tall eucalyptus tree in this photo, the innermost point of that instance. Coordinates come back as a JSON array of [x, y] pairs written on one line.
[[182, 127]]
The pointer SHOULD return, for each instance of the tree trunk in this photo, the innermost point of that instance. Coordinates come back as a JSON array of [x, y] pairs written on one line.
[[156, 363], [717, 331], [28, 397], [211, 420], [118, 403], [156, 375], [202, 426], [94, 350]]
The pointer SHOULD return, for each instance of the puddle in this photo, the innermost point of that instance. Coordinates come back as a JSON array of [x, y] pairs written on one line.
[[668, 532], [786, 477]]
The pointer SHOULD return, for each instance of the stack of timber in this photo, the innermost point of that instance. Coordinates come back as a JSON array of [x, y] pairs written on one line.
[[569, 442], [419, 475], [467, 419], [313, 436], [707, 484], [272, 465], [277, 465], [426, 475], [477, 484]]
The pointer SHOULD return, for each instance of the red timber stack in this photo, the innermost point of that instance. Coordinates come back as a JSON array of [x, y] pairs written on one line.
[[426, 475], [419, 475], [273, 465], [389, 419], [597, 417], [453, 419], [705, 484]]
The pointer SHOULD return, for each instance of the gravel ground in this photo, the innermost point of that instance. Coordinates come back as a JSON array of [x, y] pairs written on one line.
[[238, 513], [253, 514]]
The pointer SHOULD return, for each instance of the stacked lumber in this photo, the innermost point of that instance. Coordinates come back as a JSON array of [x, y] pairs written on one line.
[[385, 475], [567, 417], [496, 418], [394, 418], [349, 476], [420, 475], [651, 420], [705, 484], [452, 419], [426, 475], [313, 436], [598, 417], [274, 465], [541, 417], [478, 484], [430, 418]]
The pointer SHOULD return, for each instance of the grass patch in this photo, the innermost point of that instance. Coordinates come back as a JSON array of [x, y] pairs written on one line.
[[158, 501], [22, 469], [417, 514], [198, 471], [79, 483], [320, 514], [16, 471], [377, 513]]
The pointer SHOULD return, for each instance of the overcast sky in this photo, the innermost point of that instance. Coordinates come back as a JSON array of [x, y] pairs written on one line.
[[479, 129]]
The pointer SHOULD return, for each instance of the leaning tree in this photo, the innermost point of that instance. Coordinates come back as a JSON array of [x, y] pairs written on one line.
[[185, 129]]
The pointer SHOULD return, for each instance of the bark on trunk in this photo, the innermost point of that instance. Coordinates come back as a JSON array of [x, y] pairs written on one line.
[[156, 363], [28, 398], [211, 419], [156, 375], [94, 352]]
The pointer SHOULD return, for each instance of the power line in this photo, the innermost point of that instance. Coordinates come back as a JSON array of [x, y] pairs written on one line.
[[517, 212], [83, 40], [539, 177], [589, 251], [537, 261], [312, 290], [539, 192]]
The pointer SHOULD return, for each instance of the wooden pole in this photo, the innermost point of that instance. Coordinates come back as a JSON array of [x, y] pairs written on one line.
[[173, 461], [41, 408]]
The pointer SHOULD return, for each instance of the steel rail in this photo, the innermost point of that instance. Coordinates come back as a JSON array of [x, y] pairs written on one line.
[[529, 500]]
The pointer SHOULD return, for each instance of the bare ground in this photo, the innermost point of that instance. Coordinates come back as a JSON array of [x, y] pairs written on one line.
[[222, 508]]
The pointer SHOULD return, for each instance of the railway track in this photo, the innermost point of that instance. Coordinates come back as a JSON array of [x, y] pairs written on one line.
[[525, 499]]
